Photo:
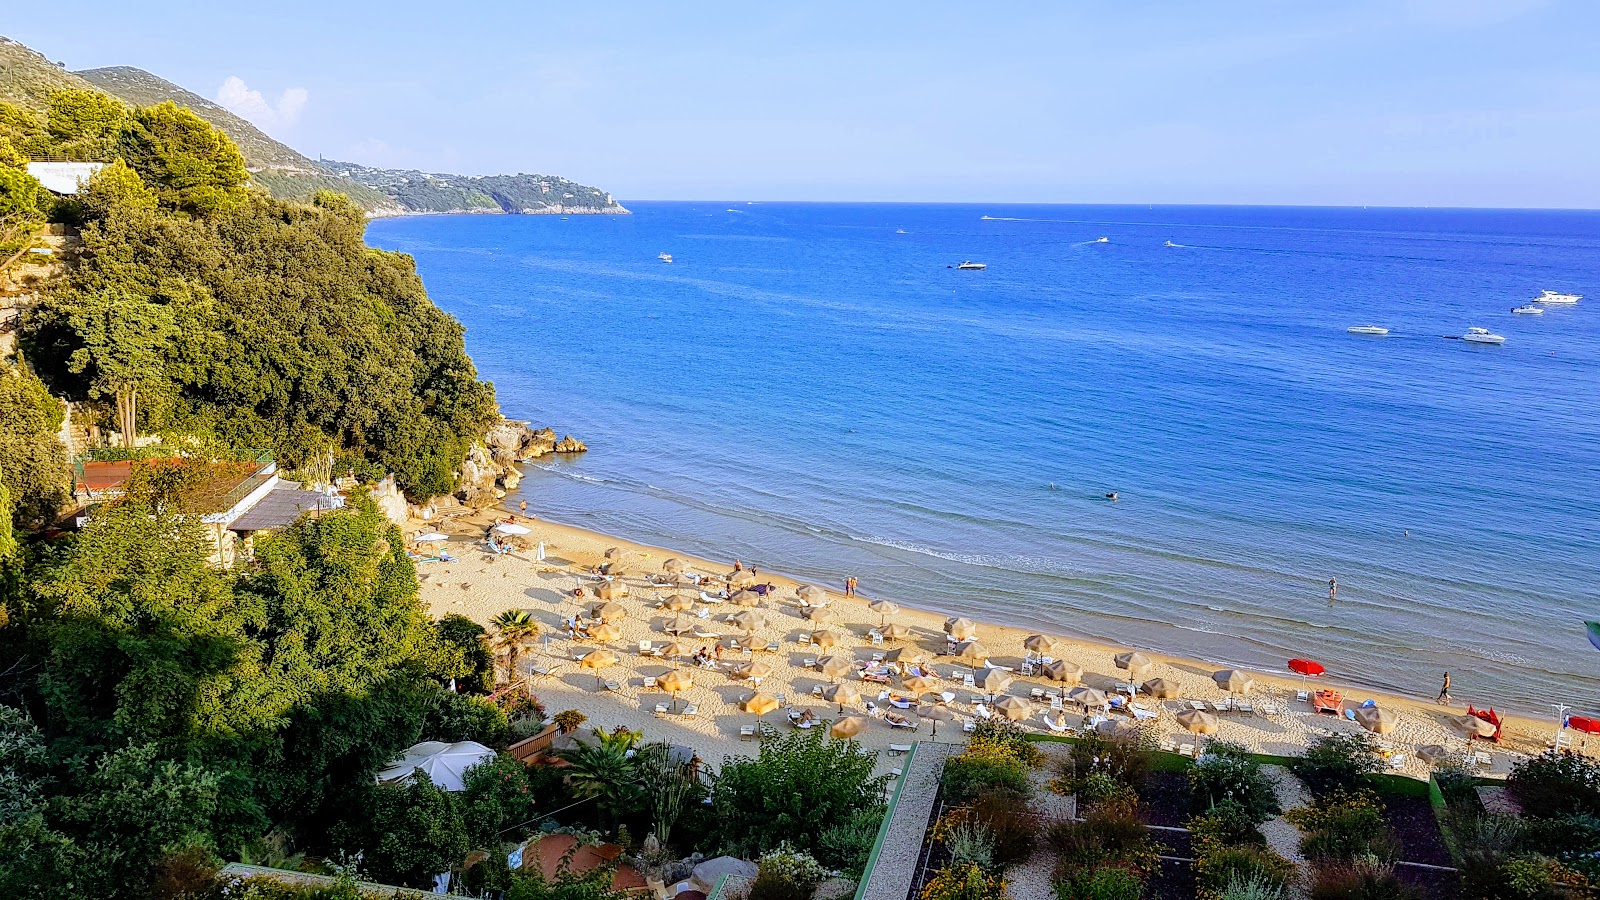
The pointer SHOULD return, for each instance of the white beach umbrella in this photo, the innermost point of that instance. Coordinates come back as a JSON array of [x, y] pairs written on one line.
[[446, 765], [511, 528], [431, 537]]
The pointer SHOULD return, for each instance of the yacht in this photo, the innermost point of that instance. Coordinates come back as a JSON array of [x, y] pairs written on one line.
[[1529, 310], [1482, 336], [1102, 240], [664, 257], [1557, 297], [972, 265], [899, 231], [1170, 244], [1367, 329]]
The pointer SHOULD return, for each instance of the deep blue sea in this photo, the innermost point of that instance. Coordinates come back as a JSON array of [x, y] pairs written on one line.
[[810, 390]]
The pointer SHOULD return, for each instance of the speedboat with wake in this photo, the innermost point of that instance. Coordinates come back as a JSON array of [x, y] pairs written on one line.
[[1170, 244], [1102, 240], [1368, 329], [664, 257], [1528, 310], [1482, 336], [1557, 297], [972, 266]]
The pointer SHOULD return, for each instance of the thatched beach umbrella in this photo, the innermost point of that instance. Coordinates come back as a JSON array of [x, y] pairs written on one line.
[[1160, 688], [1377, 719], [614, 553], [611, 590], [679, 603], [836, 665], [749, 620], [1198, 721], [1135, 662], [904, 656], [597, 660], [614, 569], [826, 638], [1472, 726], [847, 727], [675, 683], [606, 633], [1117, 729], [1061, 670], [676, 650], [1014, 708], [817, 614], [746, 642], [841, 694], [937, 714], [895, 632], [680, 624], [685, 579], [1087, 697], [884, 608], [994, 681], [608, 611], [751, 669], [961, 629], [810, 593], [1041, 644], [972, 651], [1432, 753], [672, 566], [760, 704], [919, 685], [741, 578], [1234, 681], [746, 599]]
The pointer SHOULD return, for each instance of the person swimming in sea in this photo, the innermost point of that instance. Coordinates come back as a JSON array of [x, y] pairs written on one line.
[[1112, 496]]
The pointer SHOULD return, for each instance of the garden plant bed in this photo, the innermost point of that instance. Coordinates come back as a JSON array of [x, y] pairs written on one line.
[[1433, 884], [1414, 824], [1175, 881]]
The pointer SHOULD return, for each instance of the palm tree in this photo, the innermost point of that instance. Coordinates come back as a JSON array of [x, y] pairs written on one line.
[[606, 772], [512, 628]]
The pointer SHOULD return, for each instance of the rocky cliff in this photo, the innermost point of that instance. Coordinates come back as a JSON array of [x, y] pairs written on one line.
[[490, 469]]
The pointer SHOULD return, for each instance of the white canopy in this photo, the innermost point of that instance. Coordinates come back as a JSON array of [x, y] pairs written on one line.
[[445, 764], [430, 537], [511, 528]]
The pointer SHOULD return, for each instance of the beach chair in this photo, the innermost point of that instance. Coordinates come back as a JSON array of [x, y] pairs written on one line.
[[968, 726], [691, 710], [708, 599], [816, 691], [747, 732], [661, 710], [1482, 759], [1168, 744], [772, 647], [968, 681], [947, 697], [809, 661], [700, 632], [900, 722], [877, 640], [1303, 696], [1246, 708], [1055, 701], [1036, 694], [1196, 705], [1397, 762], [883, 695], [877, 657], [613, 686], [1186, 750], [1219, 707], [804, 639], [899, 749], [1140, 713], [647, 649], [896, 772], [981, 711]]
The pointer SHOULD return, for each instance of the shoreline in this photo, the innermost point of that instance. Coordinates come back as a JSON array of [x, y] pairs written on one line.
[[572, 549]]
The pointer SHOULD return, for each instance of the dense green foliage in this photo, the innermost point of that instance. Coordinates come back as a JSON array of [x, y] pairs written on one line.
[[1338, 762], [1345, 826], [996, 756], [415, 191], [33, 463], [1227, 772], [1556, 784]]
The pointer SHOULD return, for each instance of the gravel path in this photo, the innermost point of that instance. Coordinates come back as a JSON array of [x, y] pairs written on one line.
[[896, 865], [1031, 880], [1282, 836]]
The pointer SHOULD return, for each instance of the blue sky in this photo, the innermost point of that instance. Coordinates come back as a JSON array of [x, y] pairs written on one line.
[[1392, 102]]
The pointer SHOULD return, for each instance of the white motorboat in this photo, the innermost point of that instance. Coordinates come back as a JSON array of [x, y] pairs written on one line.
[[1557, 297], [1103, 240], [972, 265], [1367, 329], [1529, 310], [1482, 336], [900, 231], [664, 257], [1170, 244]]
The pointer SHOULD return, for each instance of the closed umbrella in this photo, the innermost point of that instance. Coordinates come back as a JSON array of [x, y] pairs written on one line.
[[607, 612], [826, 638], [746, 599], [605, 633], [1198, 721], [818, 614], [895, 632], [937, 714], [1117, 729], [1234, 681], [672, 566], [614, 553], [884, 608], [681, 624], [760, 704], [741, 578], [510, 528], [752, 669], [960, 628], [919, 685], [1376, 719], [1014, 708], [1087, 697], [841, 694], [1041, 644], [679, 603], [1061, 670], [611, 590], [597, 660], [1160, 688], [748, 620], [675, 683], [847, 727], [810, 593], [994, 681], [973, 651], [836, 665]]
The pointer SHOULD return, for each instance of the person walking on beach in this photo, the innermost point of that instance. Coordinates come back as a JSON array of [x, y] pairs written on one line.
[[850, 586], [1444, 692], [738, 565], [523, 507]]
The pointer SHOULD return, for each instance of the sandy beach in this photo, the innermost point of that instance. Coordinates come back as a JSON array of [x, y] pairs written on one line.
[[480, 585]]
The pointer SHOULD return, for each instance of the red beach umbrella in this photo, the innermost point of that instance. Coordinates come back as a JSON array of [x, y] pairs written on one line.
[[1307, 668], [1587, 725]]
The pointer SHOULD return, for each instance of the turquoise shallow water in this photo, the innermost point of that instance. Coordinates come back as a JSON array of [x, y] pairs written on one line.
[[809, 390]]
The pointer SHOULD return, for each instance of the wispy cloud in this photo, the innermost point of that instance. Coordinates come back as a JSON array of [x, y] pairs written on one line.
[[243, 100]]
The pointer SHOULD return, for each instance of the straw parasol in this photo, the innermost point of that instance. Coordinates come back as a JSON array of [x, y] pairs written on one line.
[[608, 611], [1117, 729], [613, 553], [906, 655], [841, 694], [836, 665], [1377, 719], [919, 685], [597, 660], [1135, 662], [847, 727], [884, 608], [937, 714], [675, 683], [681, 623], [741, 578], [1087, 696], [960, 628], [605, 634], [994, 681], [745, 599], [752, 669], [895, 632], [1061, 670], [672, 566], [810, 593], [1234, 681], [826, 638], [1041, 644], [611, 590], [818, 614], [675, 649], [760, 704], [747, 642], [1472, 726], [678, 603], [685, 579], [1198, 721], [748, 620], [614, 569], [1160, 688], [1432, 753], [972, 650], [1014, 708]]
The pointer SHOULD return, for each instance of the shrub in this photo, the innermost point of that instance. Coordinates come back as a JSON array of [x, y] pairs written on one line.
[[1006, 816], [1539, 878], [1100, 789], [1574, 840], [1227, 824], [970, 843], [1104, 883], [1556, 784], [997, 755], [786, 874], [1217, 868], [1124, 761], [568, 720], [464, 717], [1364, 880], [1338, 761], [968, 882], [1345, 825], [1226, 772], [1253, 887], [1103, 838], [847, 845]]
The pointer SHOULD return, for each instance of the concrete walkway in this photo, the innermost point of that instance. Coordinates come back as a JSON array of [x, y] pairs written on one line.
[[896, 861]]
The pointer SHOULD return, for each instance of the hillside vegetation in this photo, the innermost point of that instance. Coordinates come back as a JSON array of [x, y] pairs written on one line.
[[27, 78], [423, 192]]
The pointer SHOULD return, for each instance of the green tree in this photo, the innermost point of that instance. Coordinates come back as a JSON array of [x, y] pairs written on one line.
[[608, 773], [19, 194], [498, 796], [407, 834], [23, 129], [33, 461], [512, 629], [193, 166], [127, 339], [115, 188], [465, 654], [797, 787], [85, 124], [10, 156]]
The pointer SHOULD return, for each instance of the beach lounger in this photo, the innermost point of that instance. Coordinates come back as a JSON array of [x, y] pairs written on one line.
[[691, 710], [1397, 762], [981, 711], [896, 721], [804, 639], [1186, 750], [883, 696], [1482, 759], [1036, 693], [613, 686], [648, 649], [1141, 713], [947, 696], [902, 703], [1058, 724], [899, 749], [896, 772], [1168, 744], [877, 657], [661, 710], [809, 661], [968, 681], [1055, 701], [1219, 707], [708, 599], [1096, 719], [968, 726], [747, 732], [1246, 708], [1196, 705], [877, 640], [772, 647], [816, 691]]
